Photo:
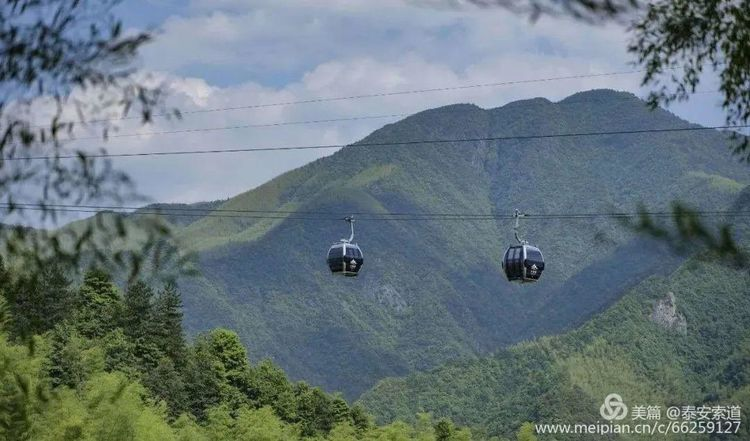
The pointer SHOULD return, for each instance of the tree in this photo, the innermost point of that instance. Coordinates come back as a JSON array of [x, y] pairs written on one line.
[[227, 351], [140, 325], [423, 428], [71, 360], [70, 60], [168, 322], [204, 383], [137, 317], [120, 353], [261, 425], [587, 10], [689, 234], [444, 430], [339, 410], [680, 39], [98, 305], [360, 419], [166, 383], [314, 410], [4, 277], [526, 432], [217, 372], [270, 387], [38, 303]]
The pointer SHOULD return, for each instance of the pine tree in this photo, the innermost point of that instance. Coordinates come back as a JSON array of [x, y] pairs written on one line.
[[166, 383], [444, 430], [71, 360], [40, 302], [339, 410], [98, 305], [4, 277], [360, 419], [4, 285], [137, 316], [203, 384], [168, 324], [140, 325], [119, 353]]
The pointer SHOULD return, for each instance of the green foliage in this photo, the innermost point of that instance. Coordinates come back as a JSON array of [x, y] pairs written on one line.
[[586, 10], [129, 379], [690, 233], [272, 388], [98, 307], [72, 359], [167, 316], [76, 57], [526, 432], [316, 411], [697, 35], [137, 314], [120, 351], [37, 302]]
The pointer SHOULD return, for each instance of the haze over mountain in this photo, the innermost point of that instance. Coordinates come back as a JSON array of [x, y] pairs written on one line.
[[431, 291]]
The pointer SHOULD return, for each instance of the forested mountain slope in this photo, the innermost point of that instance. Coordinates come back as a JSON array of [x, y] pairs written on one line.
[[431, 291]]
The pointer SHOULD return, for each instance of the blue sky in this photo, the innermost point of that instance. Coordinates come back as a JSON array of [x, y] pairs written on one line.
[[226, 53]]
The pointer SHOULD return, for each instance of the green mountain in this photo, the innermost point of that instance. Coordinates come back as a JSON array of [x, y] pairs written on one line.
[[431, 291], [680, 338]]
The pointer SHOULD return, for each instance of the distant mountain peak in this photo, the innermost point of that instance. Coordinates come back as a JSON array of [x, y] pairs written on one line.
[[530, 102], [601, 95], [450, 109]]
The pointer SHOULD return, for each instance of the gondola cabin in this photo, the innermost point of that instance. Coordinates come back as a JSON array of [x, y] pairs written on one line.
[[523, 263], [345, 259]]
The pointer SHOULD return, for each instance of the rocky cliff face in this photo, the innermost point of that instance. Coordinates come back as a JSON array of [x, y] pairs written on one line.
[[665, 314]]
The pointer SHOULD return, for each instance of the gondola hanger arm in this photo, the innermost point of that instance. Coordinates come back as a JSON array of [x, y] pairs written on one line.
[[517, 215], [350, 219]]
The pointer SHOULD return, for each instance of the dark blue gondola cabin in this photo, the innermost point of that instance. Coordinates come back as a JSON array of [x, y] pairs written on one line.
[[345, 259], [523, 263]]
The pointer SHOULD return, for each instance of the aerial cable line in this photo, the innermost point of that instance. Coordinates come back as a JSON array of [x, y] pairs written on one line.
[[318, 121], [377, 95], [386, 217], [243, 126], [80, 155], [202, 211]]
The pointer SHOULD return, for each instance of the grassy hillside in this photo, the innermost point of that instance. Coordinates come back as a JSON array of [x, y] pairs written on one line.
[[565, 378], [432, 291]]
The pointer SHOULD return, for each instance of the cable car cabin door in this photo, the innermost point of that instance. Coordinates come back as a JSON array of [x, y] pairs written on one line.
[[352, 260], [533, 263]]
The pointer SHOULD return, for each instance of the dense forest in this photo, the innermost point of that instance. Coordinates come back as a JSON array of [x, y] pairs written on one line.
[[92, 362]]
